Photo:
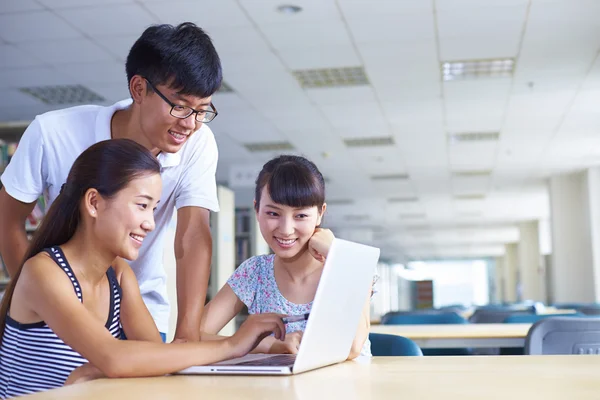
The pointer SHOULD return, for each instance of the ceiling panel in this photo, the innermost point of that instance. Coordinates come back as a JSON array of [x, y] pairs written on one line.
[[233, 41], [393, 29], [67, 51], [14, 6], [119, 46], [208, 14], [33, 76], [125, 19], [98, 72], [13, 57], [306, 35], [475, 156], [320, 57], [377, 8], [58, 4], [265, 11], [341, 95], [35, 27]]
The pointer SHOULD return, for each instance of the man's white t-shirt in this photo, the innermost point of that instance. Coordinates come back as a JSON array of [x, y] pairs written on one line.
[[54, 140]]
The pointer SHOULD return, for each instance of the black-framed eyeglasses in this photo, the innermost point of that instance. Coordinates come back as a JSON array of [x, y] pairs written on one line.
[[182, 112]]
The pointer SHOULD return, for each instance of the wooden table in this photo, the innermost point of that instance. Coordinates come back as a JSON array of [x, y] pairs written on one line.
[[460, 335], [423, 378]]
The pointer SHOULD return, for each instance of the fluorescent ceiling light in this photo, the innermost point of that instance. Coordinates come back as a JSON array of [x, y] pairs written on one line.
[[473, 69]]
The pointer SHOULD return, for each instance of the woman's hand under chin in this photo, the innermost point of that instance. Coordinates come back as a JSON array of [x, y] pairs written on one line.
[[320, 243]]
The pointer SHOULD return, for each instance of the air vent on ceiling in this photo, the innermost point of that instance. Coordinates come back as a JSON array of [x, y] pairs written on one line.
[[413, 216], [390, 177], [225, 88], [339, 202], [63, 94], [331, 77], [268, 146], [470, 137], [472, 173], [473, 69], [360, 217], [469, 197], [369, 141], [403, 199]]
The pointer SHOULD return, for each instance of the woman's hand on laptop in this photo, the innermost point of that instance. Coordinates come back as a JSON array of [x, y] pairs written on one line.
[[320, 243], [254, 329], [288, 346]]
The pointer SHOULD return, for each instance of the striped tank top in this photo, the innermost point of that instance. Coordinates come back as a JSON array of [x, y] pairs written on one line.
[[33, 358]]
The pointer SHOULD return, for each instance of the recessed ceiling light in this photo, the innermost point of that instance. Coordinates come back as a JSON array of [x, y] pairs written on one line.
[[289, 9], [469, 69]]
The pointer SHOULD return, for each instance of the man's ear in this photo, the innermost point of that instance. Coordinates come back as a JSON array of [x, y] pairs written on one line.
[[138, 88]]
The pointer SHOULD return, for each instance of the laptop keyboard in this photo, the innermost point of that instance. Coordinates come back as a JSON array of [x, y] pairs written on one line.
[[281, 360]]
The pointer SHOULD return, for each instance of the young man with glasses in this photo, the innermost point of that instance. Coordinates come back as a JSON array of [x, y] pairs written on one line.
[[172, 74]]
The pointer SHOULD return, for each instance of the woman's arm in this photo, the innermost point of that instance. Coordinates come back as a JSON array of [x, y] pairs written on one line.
[[363, 329], [135, 317], [49, 293], [219, 311]]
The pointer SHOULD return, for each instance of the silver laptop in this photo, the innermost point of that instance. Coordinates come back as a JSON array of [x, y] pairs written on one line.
[[333, 320]]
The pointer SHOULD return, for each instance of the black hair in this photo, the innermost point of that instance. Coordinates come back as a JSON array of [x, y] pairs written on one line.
[[292, 181], [106, 166], [181, 56]]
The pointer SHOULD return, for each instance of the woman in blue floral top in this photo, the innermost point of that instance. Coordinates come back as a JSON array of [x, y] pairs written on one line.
[[289, 204]]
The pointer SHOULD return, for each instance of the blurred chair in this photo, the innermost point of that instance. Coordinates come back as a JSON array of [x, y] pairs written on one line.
[[497, 316], [429, 318], [392, 345], [532, 318], [564, 335], [574, 306], [593, 310]]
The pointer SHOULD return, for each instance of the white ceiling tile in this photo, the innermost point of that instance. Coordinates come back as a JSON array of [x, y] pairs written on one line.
[[485, 21], [321, 57], [386, 28], [353, 114], [465, 185], [401, 57], [304, 35], [112, 92], [350, 128], [67, 51], [13, 57], [468, 5], [377, 8], [238, 40], [33, 76], [125, 19], [20, 113], [35, 26], [14, 97], [265, 11], [13, 6], [476, 156], [119, 46], [379, 160], [340, 95], [98, 72], [477, 47], [220, 14], [58, 4]]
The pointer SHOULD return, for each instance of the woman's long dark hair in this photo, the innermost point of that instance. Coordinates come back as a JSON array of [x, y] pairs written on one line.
[[106, 166]]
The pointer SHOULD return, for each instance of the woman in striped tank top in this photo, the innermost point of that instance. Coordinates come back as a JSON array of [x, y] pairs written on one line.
[[71, 301]]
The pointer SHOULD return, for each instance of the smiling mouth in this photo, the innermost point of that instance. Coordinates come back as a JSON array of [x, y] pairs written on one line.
[[178, 136], [286, 242], [137, 238]]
